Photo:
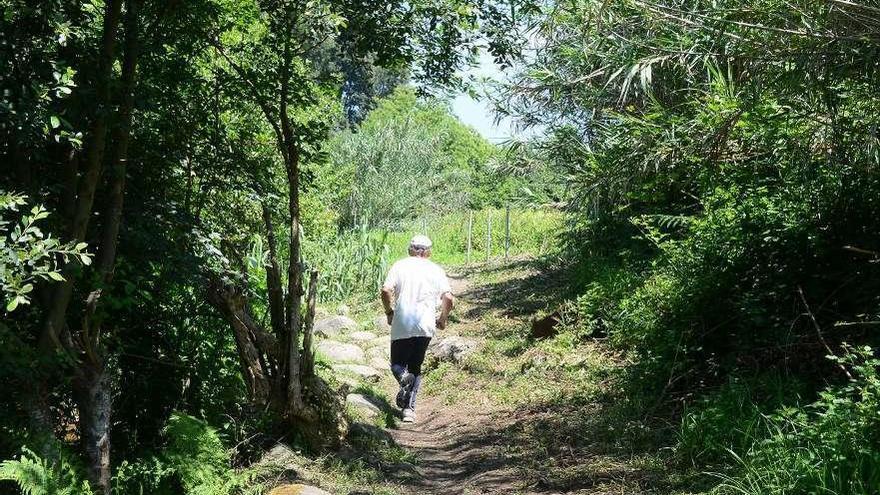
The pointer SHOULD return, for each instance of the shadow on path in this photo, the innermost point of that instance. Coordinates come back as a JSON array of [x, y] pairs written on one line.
[[534, 287], [467, 446]]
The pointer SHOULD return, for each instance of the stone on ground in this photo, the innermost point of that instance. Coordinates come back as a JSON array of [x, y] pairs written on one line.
[[297, 489], [381, 341], [380, 363], [362, 336], [383, 353], [340, 351], [280, 455], [363, 372], [363, 404], [334, 325], [381, 324], [452, 348]]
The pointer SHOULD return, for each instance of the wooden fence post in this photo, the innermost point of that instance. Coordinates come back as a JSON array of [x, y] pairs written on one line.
[[470, 230], [488, 235], [507, 234]]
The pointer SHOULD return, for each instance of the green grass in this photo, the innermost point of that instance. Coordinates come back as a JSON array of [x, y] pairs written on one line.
[[532, 232], [353, 265]]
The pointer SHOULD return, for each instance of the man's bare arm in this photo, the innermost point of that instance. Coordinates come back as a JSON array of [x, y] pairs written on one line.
[[387, 295], [447, 302]]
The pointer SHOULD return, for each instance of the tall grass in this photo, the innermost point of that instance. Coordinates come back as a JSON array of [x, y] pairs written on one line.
[[353, 264], [532, 232]]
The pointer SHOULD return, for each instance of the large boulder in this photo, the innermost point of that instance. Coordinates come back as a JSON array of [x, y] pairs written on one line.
[[334, 325], [363, 372], [340, 352], [297, 489], [362, 336], [364, 405], [452, 349]]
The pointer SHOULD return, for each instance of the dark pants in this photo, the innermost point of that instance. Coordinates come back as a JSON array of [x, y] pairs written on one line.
[[408, 354]]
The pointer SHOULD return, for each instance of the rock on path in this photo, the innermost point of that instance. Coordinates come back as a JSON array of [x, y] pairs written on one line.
[[361, 371], [340, 351], [363, 404], [380, 363], [452, 348], [379, 353], [382, 341], [362, 336], [297, 489], [381, 324], [334, 325]]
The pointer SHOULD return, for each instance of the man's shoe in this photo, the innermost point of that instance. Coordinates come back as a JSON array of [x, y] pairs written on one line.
[[409, 416]]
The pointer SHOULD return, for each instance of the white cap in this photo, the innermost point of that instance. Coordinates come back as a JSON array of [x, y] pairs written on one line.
[[420, 241]]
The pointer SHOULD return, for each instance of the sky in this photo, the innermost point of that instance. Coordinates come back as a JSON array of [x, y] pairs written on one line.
[[478, 113]]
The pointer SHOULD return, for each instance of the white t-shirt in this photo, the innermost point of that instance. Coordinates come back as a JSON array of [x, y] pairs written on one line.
[[417, 284]]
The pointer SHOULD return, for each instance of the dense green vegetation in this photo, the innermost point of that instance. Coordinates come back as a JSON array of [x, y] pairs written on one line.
[[167, 194], [185, 184], [722, 162]]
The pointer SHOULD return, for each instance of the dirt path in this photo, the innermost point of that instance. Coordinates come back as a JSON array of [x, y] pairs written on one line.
[[457, 451], [454, 456]]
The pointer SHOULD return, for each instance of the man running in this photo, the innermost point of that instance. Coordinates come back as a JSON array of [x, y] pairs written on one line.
[[417, 287]]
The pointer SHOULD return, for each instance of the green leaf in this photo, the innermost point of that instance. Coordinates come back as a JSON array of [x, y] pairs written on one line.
[[55, 121], [80, 246], [10, 307], [56, 276]]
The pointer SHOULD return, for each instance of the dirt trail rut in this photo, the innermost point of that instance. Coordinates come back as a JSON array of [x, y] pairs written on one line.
[[457, 453]]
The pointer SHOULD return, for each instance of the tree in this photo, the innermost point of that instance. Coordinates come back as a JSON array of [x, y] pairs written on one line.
[[267, 49]]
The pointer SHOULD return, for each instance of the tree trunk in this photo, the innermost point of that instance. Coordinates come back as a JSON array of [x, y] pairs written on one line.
[[273, 278], [95, 397], [91, 174], [296, 406], [308, 356], [92, 392], [118, 157], [232, 304]]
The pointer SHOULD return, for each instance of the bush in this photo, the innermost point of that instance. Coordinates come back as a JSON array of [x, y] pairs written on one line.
[[831, 446], [193, 462]]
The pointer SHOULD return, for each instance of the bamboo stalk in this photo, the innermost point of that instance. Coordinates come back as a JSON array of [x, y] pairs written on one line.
[[507, 234], [470, 231]]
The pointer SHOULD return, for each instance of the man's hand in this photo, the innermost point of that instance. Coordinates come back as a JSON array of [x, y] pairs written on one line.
[[446, 303], [386, 295]]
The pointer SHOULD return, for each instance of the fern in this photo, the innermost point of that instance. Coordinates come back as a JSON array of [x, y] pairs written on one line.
[[36, 476], [197, 455], [670, 222]]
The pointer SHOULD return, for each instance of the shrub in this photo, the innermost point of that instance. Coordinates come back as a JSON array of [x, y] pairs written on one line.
[[831, 446], [35, 475], [193, 462]]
